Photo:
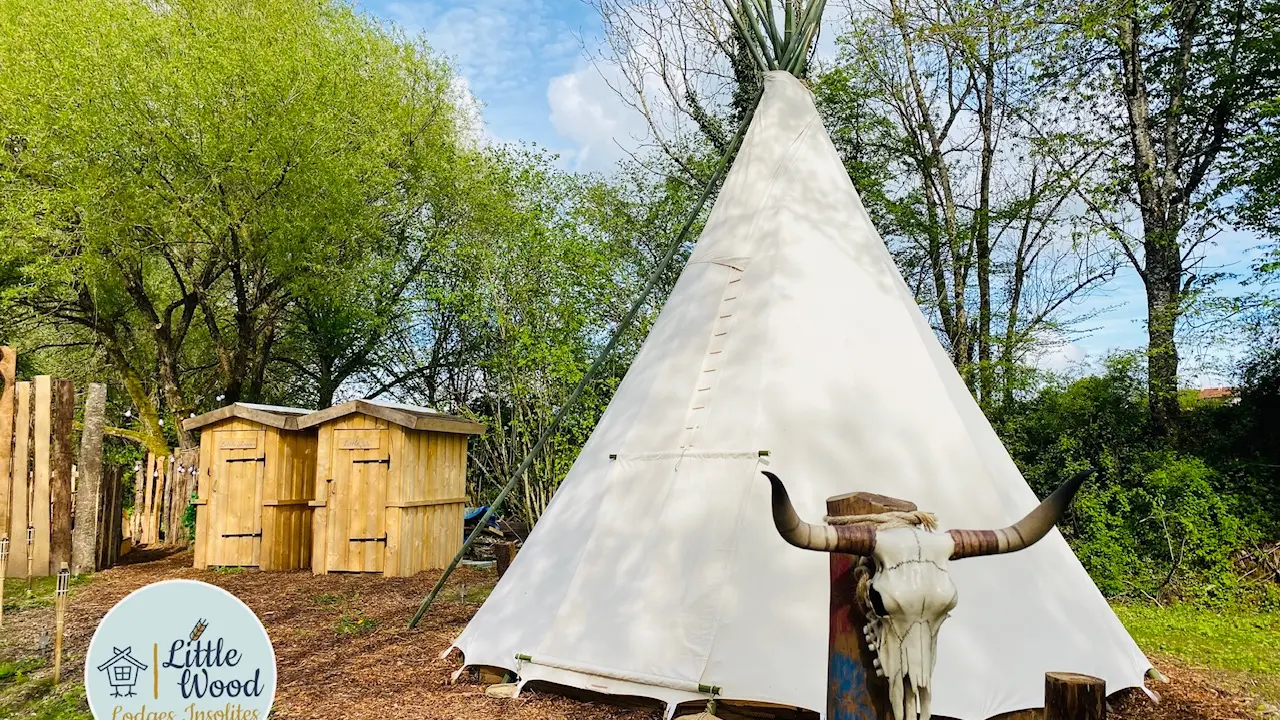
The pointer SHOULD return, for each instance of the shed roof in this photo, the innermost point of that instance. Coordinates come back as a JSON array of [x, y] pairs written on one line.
[[413, 417], [277, 416]]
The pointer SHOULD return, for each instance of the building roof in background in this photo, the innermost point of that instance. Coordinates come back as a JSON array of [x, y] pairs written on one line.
[[1216, 393]]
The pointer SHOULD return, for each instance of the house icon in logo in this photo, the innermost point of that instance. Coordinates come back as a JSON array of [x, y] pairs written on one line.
[[122, 672]]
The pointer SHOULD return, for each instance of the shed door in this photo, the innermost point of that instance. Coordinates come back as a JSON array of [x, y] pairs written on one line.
[[235, 509], [358, 500]]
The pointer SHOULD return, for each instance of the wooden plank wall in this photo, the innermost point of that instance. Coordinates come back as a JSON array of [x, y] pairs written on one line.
[[429, 486], [287, 494], [288, 487]]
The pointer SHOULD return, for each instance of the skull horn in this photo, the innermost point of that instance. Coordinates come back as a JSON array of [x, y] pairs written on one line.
[[1026, 532], [851, 539]]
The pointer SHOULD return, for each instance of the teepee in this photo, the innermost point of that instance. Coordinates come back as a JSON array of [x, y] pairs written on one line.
[[790, 343]]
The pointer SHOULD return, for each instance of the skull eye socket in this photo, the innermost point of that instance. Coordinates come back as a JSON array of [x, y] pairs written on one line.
[[877, 603]]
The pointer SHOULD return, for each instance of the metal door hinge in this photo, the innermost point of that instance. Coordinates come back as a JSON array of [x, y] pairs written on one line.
[[257, 534], [369, 539]]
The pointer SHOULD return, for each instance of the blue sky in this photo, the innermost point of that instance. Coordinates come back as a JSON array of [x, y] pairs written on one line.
[[524, 61]]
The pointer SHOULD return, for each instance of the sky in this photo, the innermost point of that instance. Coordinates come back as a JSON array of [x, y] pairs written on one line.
[[526, 63]]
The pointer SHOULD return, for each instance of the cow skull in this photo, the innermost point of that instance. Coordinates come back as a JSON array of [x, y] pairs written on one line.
[[910, 593]]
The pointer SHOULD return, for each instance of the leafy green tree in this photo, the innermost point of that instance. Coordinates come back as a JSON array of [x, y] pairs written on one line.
[[1172, 89], [176, 175]]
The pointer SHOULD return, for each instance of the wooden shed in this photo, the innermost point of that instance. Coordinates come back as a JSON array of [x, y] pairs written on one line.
[[390, 489], [257, 479]]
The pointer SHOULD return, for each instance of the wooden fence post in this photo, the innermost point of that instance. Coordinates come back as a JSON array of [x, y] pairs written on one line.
[[84, 552], [64, 414], [1068, 696], [41, 503], [853, 690], [139, 501], [8, 373], [20, 491]]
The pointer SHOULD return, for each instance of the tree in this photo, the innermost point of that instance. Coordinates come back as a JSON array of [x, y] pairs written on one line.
[[1176, 87], [177, 176], [933, 110]]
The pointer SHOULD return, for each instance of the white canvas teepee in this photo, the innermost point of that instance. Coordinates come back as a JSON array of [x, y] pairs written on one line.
[[656, 568]]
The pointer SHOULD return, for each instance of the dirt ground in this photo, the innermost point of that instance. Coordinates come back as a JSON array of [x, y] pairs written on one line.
[[343, 650]]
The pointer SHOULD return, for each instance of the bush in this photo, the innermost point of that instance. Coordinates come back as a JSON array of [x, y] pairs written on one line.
[[1159, 521]]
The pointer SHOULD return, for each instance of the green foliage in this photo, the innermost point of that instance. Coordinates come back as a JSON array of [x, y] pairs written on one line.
[[355, 623], [1158, 522], [189, 516], [18, 670]]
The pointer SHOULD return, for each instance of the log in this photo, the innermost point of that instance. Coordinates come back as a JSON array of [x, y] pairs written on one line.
[[853, 690], [504, 553], [64, 414], [1069, 696], [90, 508], [8, 374]]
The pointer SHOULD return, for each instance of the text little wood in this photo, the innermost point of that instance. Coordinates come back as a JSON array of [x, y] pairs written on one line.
[[202, 671]]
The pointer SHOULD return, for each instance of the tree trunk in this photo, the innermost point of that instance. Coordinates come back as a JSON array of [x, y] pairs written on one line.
[[1164, 305]]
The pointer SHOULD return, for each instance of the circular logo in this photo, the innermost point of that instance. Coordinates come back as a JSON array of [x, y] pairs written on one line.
[[180, 650]]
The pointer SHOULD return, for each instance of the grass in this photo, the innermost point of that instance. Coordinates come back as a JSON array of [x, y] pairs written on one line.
[[17, 670], [18, 597], [1244, 646], [24, 696]]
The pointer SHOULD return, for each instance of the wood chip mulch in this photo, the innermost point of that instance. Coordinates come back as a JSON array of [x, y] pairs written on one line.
[[344, 651]]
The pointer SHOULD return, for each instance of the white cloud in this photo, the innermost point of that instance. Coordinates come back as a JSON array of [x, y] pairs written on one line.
[[587, 112], [1061, 355]]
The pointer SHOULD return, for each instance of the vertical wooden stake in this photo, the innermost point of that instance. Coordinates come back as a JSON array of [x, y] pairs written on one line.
[[8, 373], [84, 547], [1068, 696], [853, 690], [60, 614], [64, 414], [41, 502], [19, 517], [4, 568]]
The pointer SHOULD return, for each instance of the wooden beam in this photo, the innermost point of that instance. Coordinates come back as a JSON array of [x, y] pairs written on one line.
[[41, 446], [88, 494], [853, 690], [8, 374], [20, 492], [64, 413], [1069, 696]]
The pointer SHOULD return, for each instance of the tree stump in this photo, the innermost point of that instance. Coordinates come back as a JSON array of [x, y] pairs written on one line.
[[853, 690], [1068, 696], [504, 553]]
